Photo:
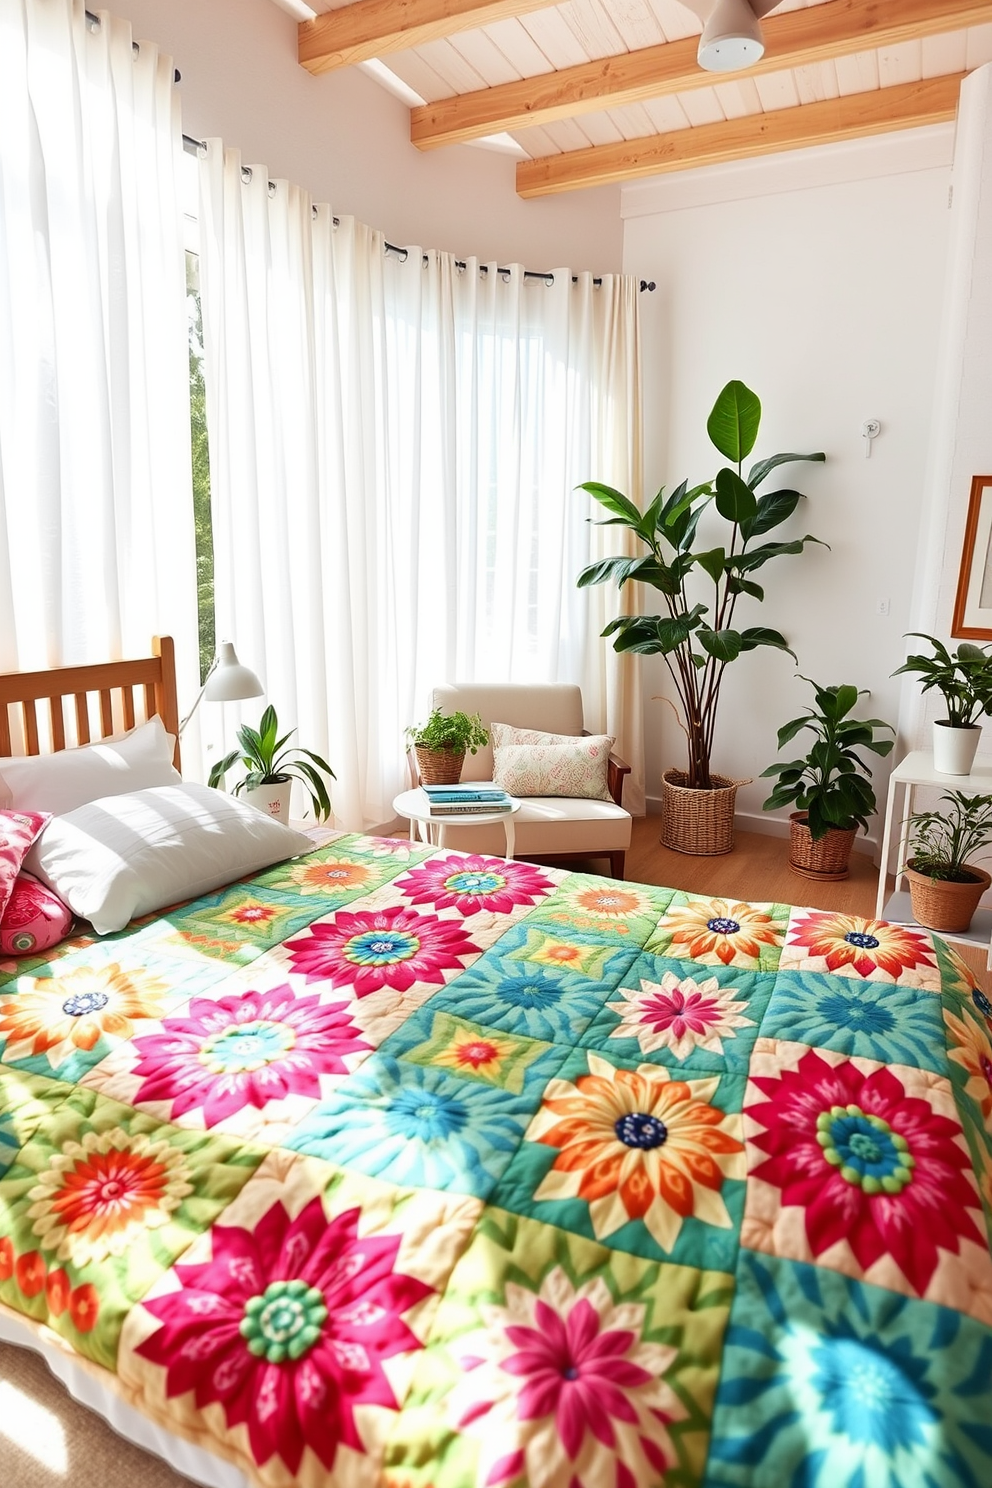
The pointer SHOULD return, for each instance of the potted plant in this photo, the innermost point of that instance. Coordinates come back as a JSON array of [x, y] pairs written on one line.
[[964, 680], [272, 768], [944, 887], [441, 743], [697, 636], [829, 785]]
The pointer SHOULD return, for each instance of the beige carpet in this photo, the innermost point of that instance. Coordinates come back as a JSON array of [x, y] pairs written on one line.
[[49, 1440]]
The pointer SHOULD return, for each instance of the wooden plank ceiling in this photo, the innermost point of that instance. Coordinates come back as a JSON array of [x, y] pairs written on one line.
[[592, 91]]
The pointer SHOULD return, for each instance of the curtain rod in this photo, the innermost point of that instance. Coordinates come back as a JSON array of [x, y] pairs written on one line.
[[198, 147], [94, 21]]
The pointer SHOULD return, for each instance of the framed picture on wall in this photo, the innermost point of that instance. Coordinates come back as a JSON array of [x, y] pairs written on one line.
[[972, 619]]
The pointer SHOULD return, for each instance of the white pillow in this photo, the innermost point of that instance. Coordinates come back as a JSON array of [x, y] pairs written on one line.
[[527, 762], [127, 855], [69, 778]]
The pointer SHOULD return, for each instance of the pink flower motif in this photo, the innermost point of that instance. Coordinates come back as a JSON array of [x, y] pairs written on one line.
[[381, 948], [244, 1050], [573, 1372], [471, 883], [564, 1381], [680, 1015], [870, 1164], [286, 1328]]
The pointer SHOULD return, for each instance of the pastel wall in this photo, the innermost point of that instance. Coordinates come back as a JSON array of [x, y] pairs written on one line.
[[346, 139], [818, 280]]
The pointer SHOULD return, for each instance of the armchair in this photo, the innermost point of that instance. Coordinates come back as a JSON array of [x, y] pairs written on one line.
[[549, 827]]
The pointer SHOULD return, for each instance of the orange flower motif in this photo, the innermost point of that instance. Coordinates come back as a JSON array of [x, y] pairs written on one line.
[[56, 1016], [330, 876], [973, 1052], [6, 1258], [97, 1196], [251, 914], [639, 1145], [29, 1273], [84, 1306], [468, 1050], [866, 946], [712, 930], [57, 1289]]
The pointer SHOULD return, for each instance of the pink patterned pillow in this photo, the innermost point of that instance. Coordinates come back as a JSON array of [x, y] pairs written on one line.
[[575, 767], [18, 830], [34, 920]]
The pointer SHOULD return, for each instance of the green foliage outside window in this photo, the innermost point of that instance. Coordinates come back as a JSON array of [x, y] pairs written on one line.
[[201, 471]]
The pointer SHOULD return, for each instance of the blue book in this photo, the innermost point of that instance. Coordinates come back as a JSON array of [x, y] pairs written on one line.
[[454, 794]]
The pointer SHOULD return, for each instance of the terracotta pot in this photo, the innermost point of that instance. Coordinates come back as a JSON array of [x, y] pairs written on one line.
[[828, 858], [273, 799], [939, 904], [439, 766], [700, 822], [955, 747]]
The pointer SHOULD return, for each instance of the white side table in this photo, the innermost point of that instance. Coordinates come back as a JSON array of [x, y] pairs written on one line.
[[415, 805], [915, 770]]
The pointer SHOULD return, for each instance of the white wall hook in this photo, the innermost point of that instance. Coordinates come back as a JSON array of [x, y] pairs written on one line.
[[870, 429]]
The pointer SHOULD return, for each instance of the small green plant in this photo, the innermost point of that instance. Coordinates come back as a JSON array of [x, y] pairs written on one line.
[[268, 762], [830, 783], [941, 842], [963, 678], [456, 731]]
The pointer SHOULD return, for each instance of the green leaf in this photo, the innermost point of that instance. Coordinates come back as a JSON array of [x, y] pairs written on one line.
[[734, 498], [762, 468], [712, 563], [724, 645], [790, 730], [772, 511], [744, 586], [734, 420], [760, 635], [614, 501], [758, 557], [617, 568], [220, 769]]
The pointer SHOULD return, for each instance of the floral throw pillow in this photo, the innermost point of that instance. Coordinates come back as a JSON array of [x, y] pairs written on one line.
[[551, 764], [18, 830], [34, 920]]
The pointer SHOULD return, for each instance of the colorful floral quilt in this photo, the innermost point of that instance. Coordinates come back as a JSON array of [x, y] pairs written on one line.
[[399, 1168]]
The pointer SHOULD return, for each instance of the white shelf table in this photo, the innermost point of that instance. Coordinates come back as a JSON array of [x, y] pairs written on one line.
[[910, 773], [415, 805]]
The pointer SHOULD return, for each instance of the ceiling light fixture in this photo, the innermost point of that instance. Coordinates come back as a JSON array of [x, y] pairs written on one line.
[[731, 38]]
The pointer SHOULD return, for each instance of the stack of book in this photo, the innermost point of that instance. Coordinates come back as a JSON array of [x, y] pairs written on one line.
[[467, 799]]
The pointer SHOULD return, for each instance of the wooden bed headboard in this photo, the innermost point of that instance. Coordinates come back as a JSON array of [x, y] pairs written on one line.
[[152, 677]]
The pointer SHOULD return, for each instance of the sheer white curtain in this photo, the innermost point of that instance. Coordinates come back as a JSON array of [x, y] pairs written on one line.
[[395, 444], [96, 518]]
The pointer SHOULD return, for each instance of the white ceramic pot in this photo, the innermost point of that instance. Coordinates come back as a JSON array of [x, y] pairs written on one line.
[[954, 749], [272, 799]]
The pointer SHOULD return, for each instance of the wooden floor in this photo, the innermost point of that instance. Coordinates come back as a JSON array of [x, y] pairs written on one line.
[[758, 869]]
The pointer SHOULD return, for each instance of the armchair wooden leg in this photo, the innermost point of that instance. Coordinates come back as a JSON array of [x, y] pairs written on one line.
[[616, 864]]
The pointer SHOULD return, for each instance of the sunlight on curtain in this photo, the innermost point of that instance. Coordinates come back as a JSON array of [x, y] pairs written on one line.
[[394, 486], [96, 527]]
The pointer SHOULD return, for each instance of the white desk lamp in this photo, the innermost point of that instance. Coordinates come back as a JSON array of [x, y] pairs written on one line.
[[226, 682]]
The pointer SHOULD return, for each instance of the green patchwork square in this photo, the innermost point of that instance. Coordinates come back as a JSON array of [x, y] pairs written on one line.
[[717, 932], [434, 1037], [24, 1101], [99, 1202], [636, 1158], [679, 1013], [343, 871], [626, 913], [239, 923], [549, 1352]]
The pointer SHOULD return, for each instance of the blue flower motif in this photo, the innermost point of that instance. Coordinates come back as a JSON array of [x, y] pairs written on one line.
[[873, 1020], [417, 1125], [828, 1382], [540, 1002]]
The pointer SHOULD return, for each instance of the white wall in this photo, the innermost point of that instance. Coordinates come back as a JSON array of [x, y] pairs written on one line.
[[347, 140], [823, 294]]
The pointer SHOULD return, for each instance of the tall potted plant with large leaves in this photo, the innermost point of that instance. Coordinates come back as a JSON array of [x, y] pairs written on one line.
[[697, 636]]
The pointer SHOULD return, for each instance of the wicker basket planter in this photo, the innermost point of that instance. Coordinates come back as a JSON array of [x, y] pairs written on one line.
[[439, 766], [700, 822], [941, 905], [828, 858]]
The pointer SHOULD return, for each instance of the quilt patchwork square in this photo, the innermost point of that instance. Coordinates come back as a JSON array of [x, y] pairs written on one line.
[[718, 932], [852, 946]]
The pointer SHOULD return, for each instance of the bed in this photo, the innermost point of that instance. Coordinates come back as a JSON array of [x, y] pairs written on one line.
[[396, 1166]]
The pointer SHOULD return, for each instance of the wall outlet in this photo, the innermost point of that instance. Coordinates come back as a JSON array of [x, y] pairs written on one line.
[[882, 605]]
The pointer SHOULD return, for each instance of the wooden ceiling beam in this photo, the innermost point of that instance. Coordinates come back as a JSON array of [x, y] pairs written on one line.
[[374, 28], [932, 101], [818, 33]]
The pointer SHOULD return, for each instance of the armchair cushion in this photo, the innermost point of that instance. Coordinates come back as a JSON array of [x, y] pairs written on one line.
[[527, 762]]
